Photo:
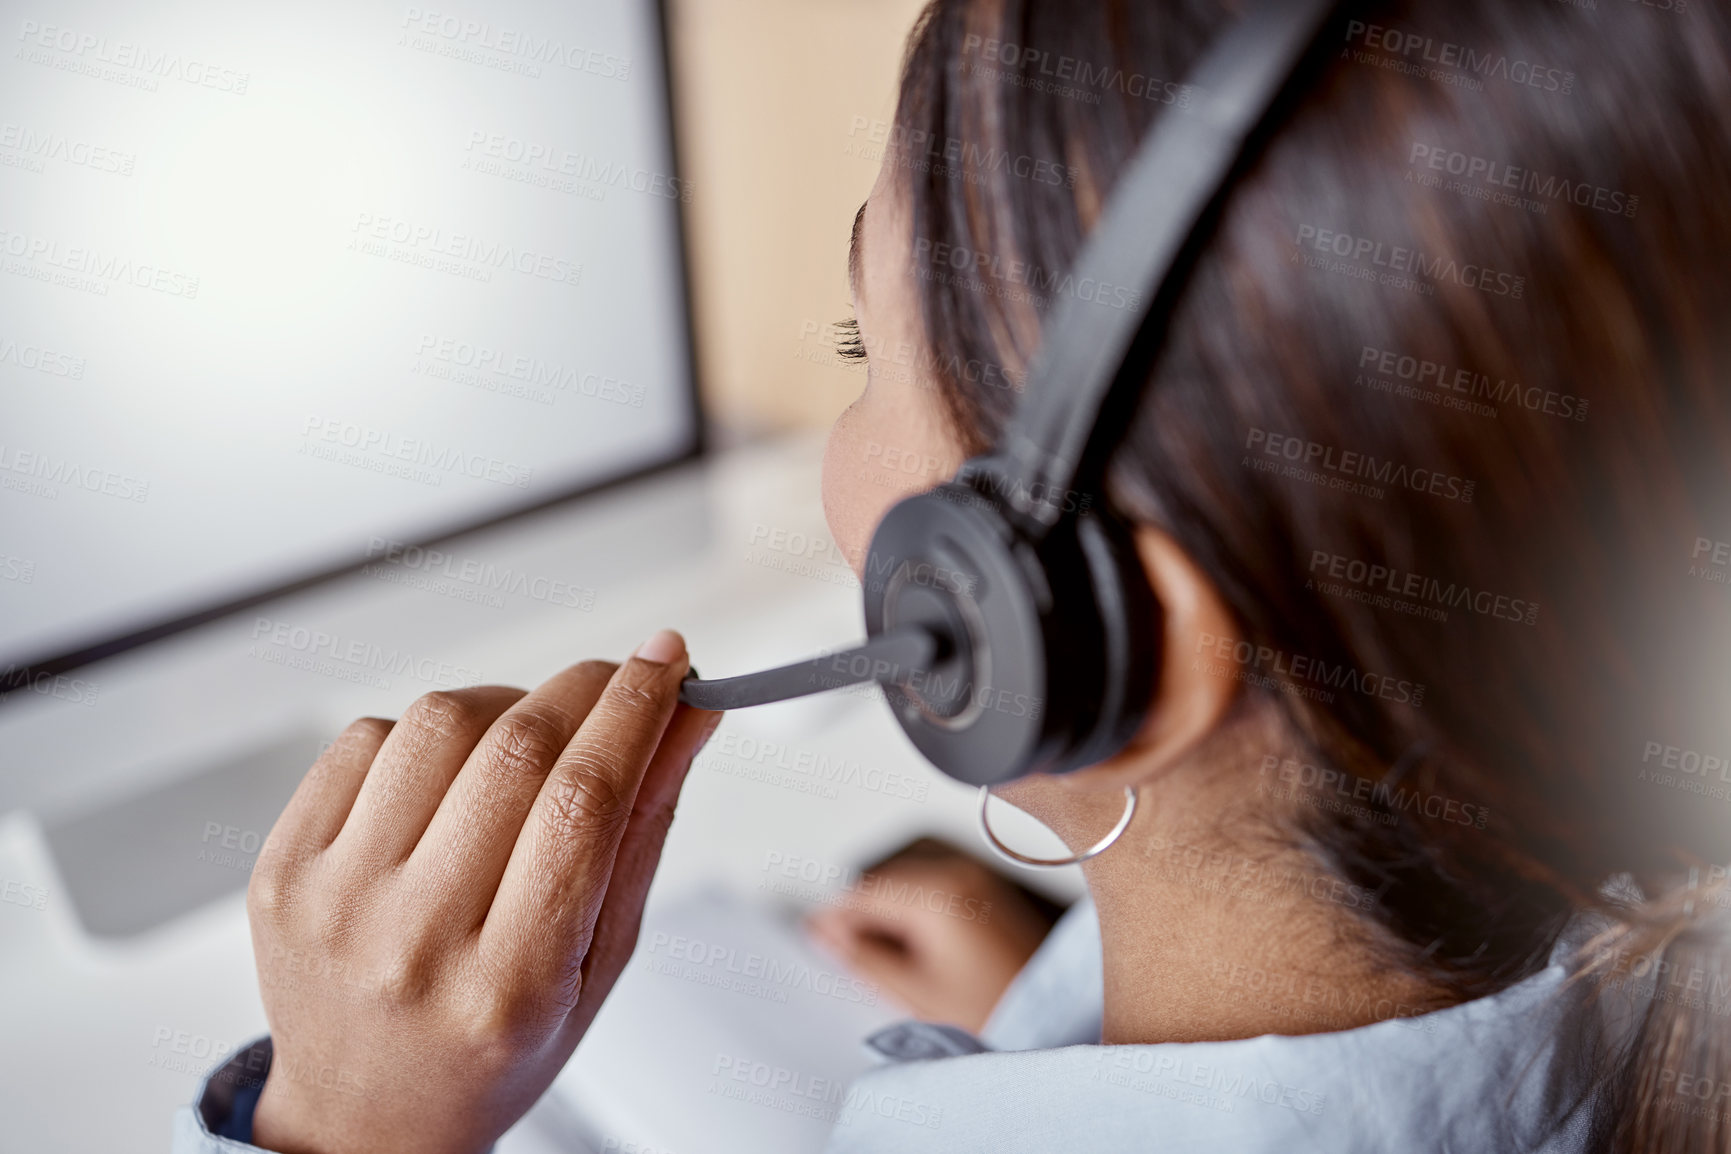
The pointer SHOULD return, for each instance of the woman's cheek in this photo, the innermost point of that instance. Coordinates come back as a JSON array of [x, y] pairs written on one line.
[[866, 470], [889, 444], [844, 485]]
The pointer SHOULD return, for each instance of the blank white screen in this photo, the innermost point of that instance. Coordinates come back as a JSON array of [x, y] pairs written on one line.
[[280, 279]]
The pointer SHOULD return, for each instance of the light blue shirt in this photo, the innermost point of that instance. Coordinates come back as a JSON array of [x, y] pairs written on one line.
[[1511, 1072]]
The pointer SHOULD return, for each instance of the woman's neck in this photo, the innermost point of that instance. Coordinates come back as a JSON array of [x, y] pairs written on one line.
[[1214, 927], [1207, 940]]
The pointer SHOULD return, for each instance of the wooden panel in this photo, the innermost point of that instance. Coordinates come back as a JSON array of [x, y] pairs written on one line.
[[779, 103]]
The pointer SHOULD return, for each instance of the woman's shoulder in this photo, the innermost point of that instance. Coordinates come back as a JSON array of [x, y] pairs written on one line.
[[1404, 1083]]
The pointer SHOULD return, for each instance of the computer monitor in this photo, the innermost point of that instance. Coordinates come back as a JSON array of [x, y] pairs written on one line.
[[281, 281]]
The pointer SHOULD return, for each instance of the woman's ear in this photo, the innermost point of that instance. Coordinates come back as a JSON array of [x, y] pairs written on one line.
[[1191, 700], [1195, 690]]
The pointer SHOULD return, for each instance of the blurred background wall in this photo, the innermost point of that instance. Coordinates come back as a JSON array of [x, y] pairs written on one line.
[[783, 106]]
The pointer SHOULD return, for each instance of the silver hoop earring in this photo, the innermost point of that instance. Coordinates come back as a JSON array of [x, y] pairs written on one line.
[[1043, 863]]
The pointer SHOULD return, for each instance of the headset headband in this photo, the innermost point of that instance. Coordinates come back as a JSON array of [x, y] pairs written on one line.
[[1156, 223]]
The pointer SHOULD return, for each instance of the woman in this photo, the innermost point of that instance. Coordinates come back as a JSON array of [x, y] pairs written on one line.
[[1430, 480]]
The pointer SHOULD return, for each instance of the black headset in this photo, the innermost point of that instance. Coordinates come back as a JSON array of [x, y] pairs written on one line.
[[1010, 621]]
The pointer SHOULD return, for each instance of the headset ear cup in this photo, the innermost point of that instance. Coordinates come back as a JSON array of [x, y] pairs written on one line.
[[1132, 634], [947, 560], [1055, 643]]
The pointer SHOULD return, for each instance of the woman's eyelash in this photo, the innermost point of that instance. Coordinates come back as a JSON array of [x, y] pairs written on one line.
[[849, 345]]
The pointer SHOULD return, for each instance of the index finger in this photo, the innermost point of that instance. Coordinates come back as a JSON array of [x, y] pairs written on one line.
[[543, 917]]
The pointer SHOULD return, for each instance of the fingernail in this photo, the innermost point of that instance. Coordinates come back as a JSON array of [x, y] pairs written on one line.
[[664, 648]]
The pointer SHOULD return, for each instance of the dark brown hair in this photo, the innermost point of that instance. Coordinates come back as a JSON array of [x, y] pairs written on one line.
[[1506, 392]]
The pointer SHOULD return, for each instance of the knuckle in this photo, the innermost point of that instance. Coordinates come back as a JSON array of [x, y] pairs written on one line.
[[598, 670], [526, 742], [367, 732], [586, 797], [358, 743], [444, 713], [643, 687], [270, 892], [631, 696]]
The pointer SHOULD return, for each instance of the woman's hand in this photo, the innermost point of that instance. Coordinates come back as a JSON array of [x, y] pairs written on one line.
[[941, 932], [445, 902]]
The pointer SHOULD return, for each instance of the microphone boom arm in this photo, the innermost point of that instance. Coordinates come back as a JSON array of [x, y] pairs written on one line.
[[891, 658]]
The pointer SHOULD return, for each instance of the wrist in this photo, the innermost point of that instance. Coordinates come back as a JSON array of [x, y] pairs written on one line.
[[293, 1117]]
